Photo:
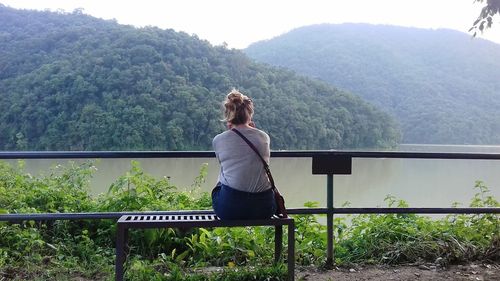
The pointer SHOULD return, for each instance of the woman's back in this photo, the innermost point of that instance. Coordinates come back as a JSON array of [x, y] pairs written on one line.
[[241, 168]]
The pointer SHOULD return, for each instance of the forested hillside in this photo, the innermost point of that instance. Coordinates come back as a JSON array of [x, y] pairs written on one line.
[[443, 86], [74, 82]]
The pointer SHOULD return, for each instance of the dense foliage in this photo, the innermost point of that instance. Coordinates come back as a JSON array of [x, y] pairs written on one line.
[[485, 19], [442, 85], [74, 82], [70, 250]]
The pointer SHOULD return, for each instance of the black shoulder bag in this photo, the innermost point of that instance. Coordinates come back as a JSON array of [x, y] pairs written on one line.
[[280, 201]]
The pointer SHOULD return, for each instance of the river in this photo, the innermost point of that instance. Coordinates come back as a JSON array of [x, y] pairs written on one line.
[[420, 182]]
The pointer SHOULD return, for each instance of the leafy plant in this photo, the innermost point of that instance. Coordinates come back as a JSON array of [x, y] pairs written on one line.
[[60, 250], [396, 238]]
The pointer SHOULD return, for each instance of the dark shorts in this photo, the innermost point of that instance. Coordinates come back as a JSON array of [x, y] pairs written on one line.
[[232, 204]]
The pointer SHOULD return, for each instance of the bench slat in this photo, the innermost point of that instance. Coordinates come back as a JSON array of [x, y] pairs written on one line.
[[200, 220]]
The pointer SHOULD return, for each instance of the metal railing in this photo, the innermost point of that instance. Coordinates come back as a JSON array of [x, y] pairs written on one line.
[[328, 163]]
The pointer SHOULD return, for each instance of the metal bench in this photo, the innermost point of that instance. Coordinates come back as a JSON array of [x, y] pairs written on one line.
[[127, 222]]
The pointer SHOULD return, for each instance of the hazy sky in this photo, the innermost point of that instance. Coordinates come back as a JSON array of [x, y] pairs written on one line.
[[241, 22]]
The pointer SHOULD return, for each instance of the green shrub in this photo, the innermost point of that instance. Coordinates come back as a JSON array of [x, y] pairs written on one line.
[[398, 238], [48, 250]]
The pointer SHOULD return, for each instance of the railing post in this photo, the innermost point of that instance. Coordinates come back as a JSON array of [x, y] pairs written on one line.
[[329, 165], [329, 222]]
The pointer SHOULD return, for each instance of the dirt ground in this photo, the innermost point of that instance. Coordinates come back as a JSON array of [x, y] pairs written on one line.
[[422, 272], [403, 272]]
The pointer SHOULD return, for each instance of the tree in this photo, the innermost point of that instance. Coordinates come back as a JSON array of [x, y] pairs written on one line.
[[72, 82], [485, 19]]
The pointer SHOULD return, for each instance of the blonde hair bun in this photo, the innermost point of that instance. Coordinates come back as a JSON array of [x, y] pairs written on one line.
[[235, 97], [238, 108]]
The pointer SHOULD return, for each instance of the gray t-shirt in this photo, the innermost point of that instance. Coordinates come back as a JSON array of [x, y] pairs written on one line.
[[241, 168]]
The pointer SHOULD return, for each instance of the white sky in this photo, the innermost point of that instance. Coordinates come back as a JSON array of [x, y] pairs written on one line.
[[241, 22]]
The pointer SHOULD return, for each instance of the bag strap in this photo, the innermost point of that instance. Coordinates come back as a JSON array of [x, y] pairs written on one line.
[[266, 166]]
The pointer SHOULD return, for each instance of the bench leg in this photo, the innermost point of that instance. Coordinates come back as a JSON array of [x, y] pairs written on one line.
[[278, 242], [291, 251], [121, 241]]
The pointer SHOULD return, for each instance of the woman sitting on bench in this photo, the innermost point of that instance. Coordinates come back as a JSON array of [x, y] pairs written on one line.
[[243, 190]]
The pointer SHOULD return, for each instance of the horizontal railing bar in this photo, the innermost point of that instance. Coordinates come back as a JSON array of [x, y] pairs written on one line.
[[211, 154], [292, 211], [416, 210], [92, 216], [324, 211], [103, 154]]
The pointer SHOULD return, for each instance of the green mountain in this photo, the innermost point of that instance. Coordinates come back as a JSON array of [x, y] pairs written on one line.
[[442, 86], [69, 81]]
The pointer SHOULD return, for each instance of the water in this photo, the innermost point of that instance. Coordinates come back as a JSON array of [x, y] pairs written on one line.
[[420, 182], [450, 148]]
